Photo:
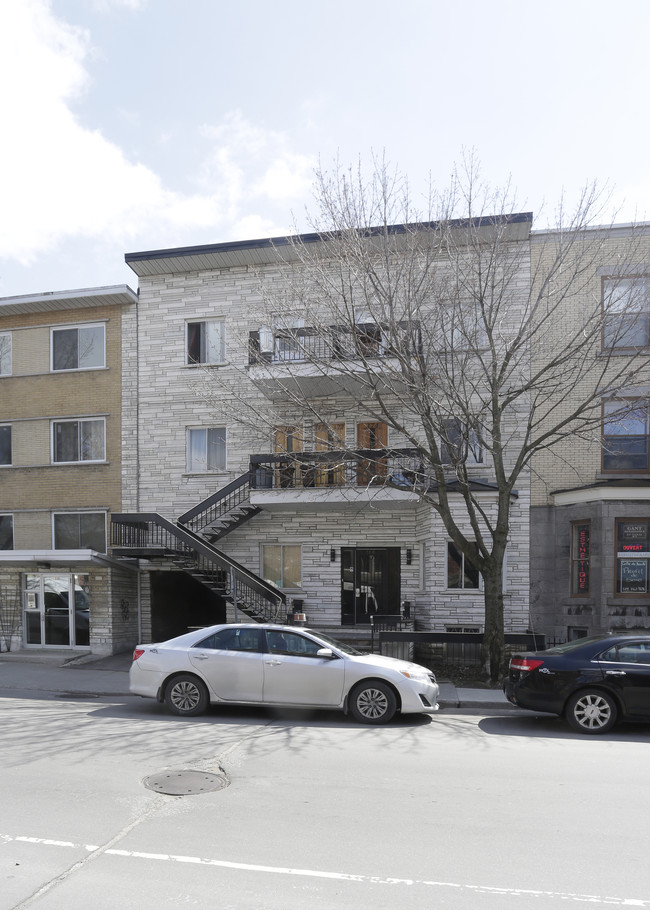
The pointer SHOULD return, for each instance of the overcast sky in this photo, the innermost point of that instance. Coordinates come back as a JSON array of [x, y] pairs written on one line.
[[141, 124]]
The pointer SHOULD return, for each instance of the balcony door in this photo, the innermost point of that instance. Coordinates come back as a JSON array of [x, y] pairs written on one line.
[[371, 435], [330, 438], [287, 441], [370, 583]]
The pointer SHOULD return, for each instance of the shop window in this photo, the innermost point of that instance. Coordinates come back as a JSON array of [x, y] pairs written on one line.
[[206, 450], [80, 531], [632, 556], [580, 558], [78, 441], [78, 348], [205, 341], [281, 565]]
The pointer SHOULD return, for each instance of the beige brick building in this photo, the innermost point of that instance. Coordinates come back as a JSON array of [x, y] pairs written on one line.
[[62, 360], [590, 495]]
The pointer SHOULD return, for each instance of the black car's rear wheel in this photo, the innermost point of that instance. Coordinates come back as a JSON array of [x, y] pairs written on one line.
[[591, 711], [372, 703], [186, 695]]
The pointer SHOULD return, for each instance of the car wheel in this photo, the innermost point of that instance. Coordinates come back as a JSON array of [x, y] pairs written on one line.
[[372, 703], [591, 711], [186, 695]]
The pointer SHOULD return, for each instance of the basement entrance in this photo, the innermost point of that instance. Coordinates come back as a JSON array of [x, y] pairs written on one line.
[[179, 602]]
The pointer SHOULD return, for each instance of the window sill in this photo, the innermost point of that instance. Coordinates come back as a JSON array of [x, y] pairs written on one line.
[[196, 366], [221, 472]]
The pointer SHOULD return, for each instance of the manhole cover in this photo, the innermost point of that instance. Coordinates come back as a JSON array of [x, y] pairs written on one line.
[[185, 783]]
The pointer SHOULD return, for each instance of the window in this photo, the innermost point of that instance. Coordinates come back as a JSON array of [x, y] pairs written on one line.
[[580, 558], [459, 443], [292, 643], [627, 312], [632, 556], [5, 354], [281, 565], [625, 436], [80, 530], [461, 573], [233, 640], [206, 450], [78, 348], [206, 341], [78, 440], [5, 444], [6, 532]]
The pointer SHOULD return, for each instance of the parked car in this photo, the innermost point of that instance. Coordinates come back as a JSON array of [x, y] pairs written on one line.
[[593, 682], [257, 664]]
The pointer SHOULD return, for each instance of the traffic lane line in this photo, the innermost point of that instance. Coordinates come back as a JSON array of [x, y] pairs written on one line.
[[593, 899]]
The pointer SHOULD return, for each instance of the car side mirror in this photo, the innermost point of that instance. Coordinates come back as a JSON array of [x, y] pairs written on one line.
[[326, 653]]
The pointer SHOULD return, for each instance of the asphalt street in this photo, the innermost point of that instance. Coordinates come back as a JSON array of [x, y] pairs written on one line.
[[466, 810]]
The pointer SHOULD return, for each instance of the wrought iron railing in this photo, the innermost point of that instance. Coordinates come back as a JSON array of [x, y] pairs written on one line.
[[149, 534], [217, 507], [400, 468], [334, 342]]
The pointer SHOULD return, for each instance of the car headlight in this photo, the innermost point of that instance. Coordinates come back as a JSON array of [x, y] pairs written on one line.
[[417, 673]]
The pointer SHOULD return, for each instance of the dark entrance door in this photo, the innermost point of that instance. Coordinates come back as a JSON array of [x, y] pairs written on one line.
[[370, 583]]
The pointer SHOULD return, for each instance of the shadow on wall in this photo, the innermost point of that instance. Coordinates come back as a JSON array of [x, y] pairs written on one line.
[[178, 602]]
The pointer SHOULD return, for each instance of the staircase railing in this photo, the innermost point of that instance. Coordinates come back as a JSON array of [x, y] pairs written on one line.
[[151, 534], [210, 510]]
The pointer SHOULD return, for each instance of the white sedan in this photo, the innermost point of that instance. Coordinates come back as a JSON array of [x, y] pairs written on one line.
[[255, 664]]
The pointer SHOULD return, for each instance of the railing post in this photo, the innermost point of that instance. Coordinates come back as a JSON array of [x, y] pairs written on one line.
[[233, 589]]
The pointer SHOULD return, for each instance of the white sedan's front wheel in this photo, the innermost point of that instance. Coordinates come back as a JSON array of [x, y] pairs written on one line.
[[372, 703]]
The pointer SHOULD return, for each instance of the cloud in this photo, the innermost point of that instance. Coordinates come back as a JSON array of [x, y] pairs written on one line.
[[62, 181]]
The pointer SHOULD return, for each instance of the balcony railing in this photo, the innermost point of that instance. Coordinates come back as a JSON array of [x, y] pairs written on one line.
[[400, 468], [625, 453], [332, 343]]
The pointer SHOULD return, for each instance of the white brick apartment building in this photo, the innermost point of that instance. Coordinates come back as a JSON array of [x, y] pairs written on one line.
[[292, 521]]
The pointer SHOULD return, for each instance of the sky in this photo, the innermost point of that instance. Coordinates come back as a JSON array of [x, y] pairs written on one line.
[[132, 125]]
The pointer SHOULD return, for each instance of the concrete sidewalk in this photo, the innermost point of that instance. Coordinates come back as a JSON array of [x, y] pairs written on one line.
[[65, 673]]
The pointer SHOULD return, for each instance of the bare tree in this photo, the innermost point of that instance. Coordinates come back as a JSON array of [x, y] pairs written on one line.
[[436, 324], [9, 615]]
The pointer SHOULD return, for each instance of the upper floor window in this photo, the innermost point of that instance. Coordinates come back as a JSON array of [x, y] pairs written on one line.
[[625, 436], [627, 312], [6, 532], [78, 440], [205, 341], [632, 556], [78, 348], [206, 450], [460, 443], [5, 353], [5, 444], [79, 530]]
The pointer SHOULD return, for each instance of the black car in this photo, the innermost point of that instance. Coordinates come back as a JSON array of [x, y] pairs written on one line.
[[593, 681]]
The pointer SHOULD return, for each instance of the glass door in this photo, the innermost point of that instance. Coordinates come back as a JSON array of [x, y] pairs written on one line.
[[370, 583], [56, 611]]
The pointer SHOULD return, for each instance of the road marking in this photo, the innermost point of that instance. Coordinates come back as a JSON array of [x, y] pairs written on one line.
[[336, 876]]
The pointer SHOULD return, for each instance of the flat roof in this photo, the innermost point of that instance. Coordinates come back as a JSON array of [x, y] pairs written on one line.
[[111, 295]]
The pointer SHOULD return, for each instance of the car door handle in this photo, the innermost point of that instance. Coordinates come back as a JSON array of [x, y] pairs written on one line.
[[273, 663], [615, 673], [201, 656]]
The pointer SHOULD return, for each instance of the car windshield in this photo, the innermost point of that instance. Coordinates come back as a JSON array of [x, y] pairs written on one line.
[[347, 649], [574, 645]]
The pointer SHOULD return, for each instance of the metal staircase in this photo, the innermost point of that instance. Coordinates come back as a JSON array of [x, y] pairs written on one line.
[[222, 512], [147, 535]]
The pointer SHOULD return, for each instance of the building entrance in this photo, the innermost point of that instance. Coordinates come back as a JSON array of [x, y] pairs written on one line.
[[370, 583]]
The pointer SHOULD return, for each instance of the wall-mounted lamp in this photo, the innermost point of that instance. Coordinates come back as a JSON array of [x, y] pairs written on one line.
[[409, 557], [332, 555]]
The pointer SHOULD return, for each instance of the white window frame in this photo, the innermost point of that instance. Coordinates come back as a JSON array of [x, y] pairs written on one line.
[[5, 353], [81, 327], [79, 421], [11, 517], [77, 513], [627, 300], [462, 588], [206, 351], [475, 451], [192, 467], [9, 463]]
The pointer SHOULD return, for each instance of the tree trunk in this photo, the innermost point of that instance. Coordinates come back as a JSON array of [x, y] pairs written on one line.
[[493, 643]]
